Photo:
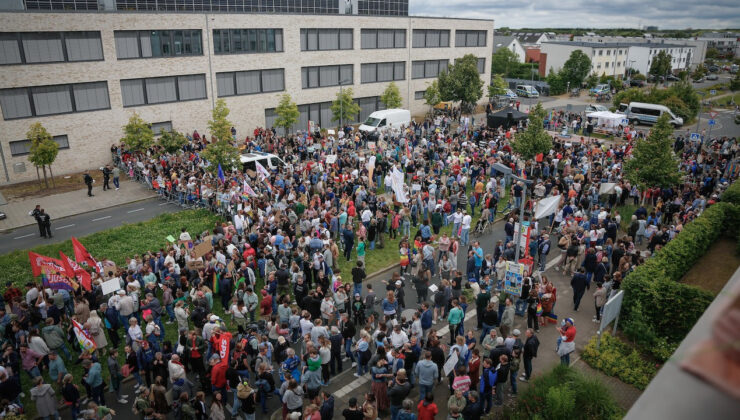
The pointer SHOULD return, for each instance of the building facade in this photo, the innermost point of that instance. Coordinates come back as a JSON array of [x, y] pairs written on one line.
[[84, 79], [726, 43], [614, 59], [698, 56]]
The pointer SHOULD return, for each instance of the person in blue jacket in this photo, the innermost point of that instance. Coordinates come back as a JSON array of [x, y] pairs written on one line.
[[487, 384]]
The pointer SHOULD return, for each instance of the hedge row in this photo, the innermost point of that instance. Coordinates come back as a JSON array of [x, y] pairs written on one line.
[[658, 311], [617, 358]]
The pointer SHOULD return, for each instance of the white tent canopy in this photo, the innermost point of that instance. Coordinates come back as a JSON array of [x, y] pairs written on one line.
[[608, 119]]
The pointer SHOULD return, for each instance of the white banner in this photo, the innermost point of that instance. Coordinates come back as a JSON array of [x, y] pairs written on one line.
[[450, 363], [546, 207], [111, 286], [607, 188], [397, 185]]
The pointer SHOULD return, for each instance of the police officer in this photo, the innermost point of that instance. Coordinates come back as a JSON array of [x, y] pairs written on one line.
[[35, 213], [106, 177], [45, 223], [88, 181]]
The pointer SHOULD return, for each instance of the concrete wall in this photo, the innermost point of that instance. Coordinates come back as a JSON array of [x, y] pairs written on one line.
[[91, 134]]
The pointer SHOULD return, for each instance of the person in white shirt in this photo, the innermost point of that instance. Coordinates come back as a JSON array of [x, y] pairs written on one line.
[[465, 234], [456, 221], [327, 309], [398, 337], [306, 324]]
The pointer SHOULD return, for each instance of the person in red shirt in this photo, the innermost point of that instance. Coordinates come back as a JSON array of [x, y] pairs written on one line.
[[427, 408], [266, 304], [218, 375], [567, 344]]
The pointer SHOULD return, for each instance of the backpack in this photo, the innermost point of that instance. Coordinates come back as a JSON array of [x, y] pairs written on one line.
[[241, 391]]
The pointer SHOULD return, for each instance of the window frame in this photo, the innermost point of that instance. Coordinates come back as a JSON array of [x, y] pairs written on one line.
[[70, 90], [262, 88], [187, 39], [376, 66], [316, 33], [427, 33], [55, 138], [248, 36], [307, 70], [376, 34], [143, 80], [62, 39]]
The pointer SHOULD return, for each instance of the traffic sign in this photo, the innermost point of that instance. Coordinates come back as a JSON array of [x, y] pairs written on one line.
[[713, 92], [711, 122], [713, 114], [695, 136]]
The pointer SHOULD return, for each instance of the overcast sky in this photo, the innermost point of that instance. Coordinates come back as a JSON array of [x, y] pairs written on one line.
[[666, 14]]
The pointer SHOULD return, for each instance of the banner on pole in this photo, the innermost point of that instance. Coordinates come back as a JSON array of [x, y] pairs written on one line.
[[513, 278]]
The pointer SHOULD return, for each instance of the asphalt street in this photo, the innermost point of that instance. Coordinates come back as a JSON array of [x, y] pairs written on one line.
[[85, 224]]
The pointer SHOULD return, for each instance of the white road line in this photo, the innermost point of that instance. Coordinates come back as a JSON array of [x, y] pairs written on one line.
[[134, 211], [163, 204], [101, 218], [64, 227], [24, 236]]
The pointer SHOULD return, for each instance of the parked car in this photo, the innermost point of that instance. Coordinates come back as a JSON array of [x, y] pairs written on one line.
[[637, 83], [3, 216], [600, 89], [712, 77], [595, 108], [713, 69], [672, 78], [699, 80]]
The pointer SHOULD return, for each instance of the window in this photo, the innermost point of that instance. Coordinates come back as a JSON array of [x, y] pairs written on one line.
[[158, 90], [419, 95], [470, 38], [320, 113], [55, 99], [250, 82], [323, 76], [326, 39], [608, 52], [481, 65], [247, 41], [49, 47], [159, 43], [601, 52], [371, 39], [431, 38], [428, 68], [606, 65], [383, 72], [158, 127], [23, 147]]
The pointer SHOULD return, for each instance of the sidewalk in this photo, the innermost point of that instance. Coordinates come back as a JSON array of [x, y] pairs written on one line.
[[72, 203]]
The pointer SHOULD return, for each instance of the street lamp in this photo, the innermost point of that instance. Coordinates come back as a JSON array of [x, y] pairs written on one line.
[[341, 102]]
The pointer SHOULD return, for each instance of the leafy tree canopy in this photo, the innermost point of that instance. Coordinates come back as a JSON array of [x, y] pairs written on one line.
[[344, 108], [219, 125], [534, 140], [137, 134], [391, 97], [462, 82], [287, 113], [576, 68], [653, 163]]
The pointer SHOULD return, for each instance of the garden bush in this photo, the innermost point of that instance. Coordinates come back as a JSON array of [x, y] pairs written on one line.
[[616, 358], [732, 194], [564, 393]]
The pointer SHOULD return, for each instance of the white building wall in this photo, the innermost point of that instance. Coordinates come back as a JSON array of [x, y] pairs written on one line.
[[91, 134]]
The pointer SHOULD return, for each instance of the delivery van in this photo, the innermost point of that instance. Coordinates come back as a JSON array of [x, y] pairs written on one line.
[[267, 160], [642, 113], [387, 118], [527, 91]]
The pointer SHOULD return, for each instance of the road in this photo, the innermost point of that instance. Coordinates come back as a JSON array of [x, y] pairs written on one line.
[[85, 224]]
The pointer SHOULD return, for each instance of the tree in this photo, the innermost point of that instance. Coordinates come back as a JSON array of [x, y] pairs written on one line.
[[505, 61], [462, 82], [344, 108], [661, 64], [221, 152], [735, 82], [534, 140], [653, 163], [287, 113], [592, 80], [137, 134], [712, 53], [699, 72], [172, 141], [675, 104], [498, 86], [431, 94], [44, 150], [219, 126], [391, 97], [576, 68], [557, 83]]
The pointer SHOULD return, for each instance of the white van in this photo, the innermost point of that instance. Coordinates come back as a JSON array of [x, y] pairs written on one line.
[[388, 118], [527, 91], [642, 113], [267, 160]]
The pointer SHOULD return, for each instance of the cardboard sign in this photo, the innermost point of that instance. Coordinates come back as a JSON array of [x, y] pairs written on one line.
[[202, 249], [109, 267], [371, 145], [195, 265], [450, 363], [330, 159], [170, 238], [230, 267], [513, 278], [111, 286]]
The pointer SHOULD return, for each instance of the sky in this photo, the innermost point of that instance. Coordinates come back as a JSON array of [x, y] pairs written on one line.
[[666, 14]]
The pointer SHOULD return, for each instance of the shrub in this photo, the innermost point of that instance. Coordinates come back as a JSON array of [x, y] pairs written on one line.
[[616, 358], [564, 393], [732, 194]]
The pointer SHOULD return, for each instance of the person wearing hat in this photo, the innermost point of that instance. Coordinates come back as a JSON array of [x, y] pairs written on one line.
[[567, 337]]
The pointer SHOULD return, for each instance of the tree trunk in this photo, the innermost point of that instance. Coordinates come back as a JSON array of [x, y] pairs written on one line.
[[53, 183], [46, 181], [38, 176]]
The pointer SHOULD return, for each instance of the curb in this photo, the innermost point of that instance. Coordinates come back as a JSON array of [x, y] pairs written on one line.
[[10, 230]]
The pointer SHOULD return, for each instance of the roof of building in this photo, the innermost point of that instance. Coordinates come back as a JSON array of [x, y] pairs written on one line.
[[618, 44], [502, 42], [528, 37]]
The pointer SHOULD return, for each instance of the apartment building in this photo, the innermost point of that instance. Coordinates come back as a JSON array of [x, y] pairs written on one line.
[[84, 70], [698, 57]]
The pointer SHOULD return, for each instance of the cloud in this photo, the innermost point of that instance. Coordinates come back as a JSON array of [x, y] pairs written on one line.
[[666, 14]]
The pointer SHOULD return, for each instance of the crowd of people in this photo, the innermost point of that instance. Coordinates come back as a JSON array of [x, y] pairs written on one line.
[[272, 272]]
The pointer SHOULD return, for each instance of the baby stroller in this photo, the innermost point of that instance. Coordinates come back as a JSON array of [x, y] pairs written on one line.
[[480, 227]]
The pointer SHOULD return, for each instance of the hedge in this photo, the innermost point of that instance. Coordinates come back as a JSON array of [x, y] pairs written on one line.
[[658, 311], [616, 358], [732, 194], [564, 393]]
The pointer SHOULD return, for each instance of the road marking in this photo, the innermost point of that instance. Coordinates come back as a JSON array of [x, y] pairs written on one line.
[[64, 227], [164, 204], [24, 236], [101, 218], [134, 211]]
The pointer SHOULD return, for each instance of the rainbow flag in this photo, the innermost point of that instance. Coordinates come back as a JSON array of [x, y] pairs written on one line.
[[552, 317], [83, 337], [539, 310], [215, 283]]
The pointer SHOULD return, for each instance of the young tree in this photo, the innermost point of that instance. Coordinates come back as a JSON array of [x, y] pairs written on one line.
[[344, 108], [219, 126], [534, 140], [712, 53], [504, 62], [44, 150], [287, 112], [221, 152], [558, 84], [592, 80], [576, 68], [661, 64], [699, 72], [391, 97], [653, 163], [431, 95], [172, 141], [498, 86], [137, 134], [462, 82], [735, 82]]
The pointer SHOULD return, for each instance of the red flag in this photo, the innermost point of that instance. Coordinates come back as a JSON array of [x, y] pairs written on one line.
[[73, 270], [84, 257], [38, 262]]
